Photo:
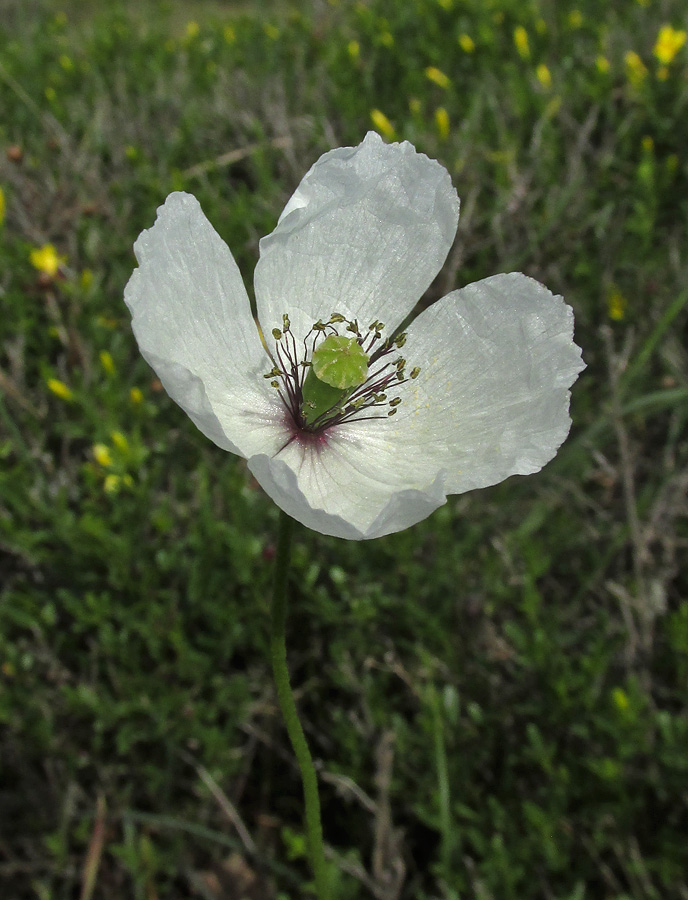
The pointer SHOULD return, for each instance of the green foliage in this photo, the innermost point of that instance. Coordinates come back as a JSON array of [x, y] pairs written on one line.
[[498, 694]]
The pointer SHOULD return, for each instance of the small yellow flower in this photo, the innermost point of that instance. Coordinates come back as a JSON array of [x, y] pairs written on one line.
[[272, 31], [47, 260], [543, 76], [466, 43], [192, 30], [111, 483], [60, 389], [382, 123], [102, 455], [387, 39], [354, 49], [414, 106], [602, 64], [620, 699], [521, 41], [635, 68], [616, 304], [669, 42], [86, 279], [120, 441], [229, 34], [50, 93], [107, 362], [136, 396], [66, 62], [442, 123], [575, 18], [2, 206], [662, 73], [438, 77], [446, 4]]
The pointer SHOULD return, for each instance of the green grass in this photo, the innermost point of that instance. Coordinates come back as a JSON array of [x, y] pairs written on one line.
[[497, 697]]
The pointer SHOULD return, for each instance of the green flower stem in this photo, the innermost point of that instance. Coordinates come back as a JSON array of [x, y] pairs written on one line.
[[278, 652]]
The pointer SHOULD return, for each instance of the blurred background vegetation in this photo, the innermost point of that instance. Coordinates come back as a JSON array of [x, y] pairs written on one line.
[[496, 697]]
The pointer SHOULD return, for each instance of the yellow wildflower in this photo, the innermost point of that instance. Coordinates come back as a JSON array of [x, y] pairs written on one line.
[[446, 4], [46, 259], [414, 106], [387, 39], [620, 699], [60, 389], [102, 455], [635, 68], [272, 31], [543, 76], [86, 279], [521, 41], [136, 396], [662, 73], [107, 362], [192, 30], [575, 18], [442, 122], [111, 483], [354, 49], [602, 64], [382, 123], [120, 441], [50, 93], [2, 206], [229, 34], [669, 42], [466, 43], [616, 304], [66, 62], [438, 77]]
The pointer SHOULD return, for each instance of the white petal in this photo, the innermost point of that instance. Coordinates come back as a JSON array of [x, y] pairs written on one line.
[[492, 400], [364, 234], [192, 319], [497, 359], [344, 490]]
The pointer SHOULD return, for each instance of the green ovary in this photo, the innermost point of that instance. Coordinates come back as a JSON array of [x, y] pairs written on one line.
[[339, 365]]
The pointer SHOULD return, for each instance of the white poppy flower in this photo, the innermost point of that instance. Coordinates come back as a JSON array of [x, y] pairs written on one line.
[[344, 431]]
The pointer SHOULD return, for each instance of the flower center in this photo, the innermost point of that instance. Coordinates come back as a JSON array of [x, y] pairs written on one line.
[[331, 378]]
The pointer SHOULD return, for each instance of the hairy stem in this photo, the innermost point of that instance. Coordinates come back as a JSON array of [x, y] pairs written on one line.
[[278, 652]]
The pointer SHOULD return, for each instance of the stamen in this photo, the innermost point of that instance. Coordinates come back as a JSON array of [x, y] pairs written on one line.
[[334, 378]]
